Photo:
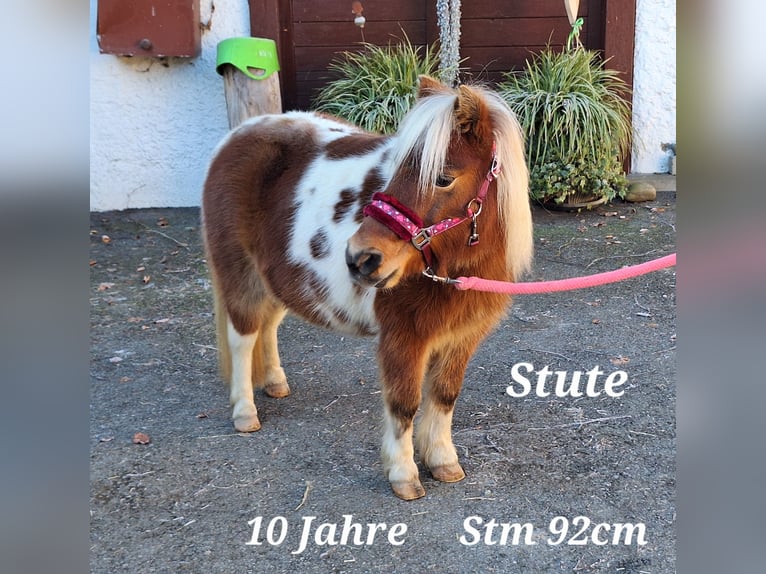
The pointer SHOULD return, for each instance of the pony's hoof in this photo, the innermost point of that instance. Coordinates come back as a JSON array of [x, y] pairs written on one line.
[[408, 490], [247, 423], [448, 473], [277, 390]]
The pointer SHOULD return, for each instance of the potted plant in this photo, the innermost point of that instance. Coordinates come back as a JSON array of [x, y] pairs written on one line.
[[376, 86], [577, 124]]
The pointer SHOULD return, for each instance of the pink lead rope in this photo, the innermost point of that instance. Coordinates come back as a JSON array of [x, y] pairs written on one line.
[[490, 286]]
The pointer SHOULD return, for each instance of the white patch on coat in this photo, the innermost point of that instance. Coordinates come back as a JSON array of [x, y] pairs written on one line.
[[316, 196]]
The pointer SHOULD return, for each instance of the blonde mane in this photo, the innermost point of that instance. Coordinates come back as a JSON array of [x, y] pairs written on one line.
[[426, 131]]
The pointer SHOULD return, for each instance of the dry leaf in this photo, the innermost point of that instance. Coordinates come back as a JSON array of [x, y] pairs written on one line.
[[596, 321], [141, 438], [104, 286], [620, 361], [202, 416]]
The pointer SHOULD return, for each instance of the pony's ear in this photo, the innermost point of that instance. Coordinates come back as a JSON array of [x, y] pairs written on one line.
[[428, 86], [470, 110]]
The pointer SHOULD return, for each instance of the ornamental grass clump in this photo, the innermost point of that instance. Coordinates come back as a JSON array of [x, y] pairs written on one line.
[[577, 124], [376, 86]]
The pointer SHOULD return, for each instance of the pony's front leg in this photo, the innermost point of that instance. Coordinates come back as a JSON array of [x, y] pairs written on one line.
[[402, 371], [241, 346], [434, 433]]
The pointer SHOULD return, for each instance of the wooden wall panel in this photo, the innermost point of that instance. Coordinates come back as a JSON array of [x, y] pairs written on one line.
[[497, 35], [340, 10], [513, 32], [517, 9], [322, 30], [337, 34]]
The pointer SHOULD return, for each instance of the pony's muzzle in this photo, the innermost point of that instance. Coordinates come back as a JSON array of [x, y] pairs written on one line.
[[364, 264]]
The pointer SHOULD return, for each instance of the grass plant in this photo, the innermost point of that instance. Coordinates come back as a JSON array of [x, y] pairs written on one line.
[[576, 121], [375, 87]]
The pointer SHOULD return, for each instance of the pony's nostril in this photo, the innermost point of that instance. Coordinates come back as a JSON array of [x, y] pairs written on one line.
[[369, 263], [364, 263]]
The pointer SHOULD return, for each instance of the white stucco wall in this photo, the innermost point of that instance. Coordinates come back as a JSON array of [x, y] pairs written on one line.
[[654, 85], [153, 127]]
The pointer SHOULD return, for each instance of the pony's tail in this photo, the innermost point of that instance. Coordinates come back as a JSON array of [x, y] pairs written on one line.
[[221, 329]]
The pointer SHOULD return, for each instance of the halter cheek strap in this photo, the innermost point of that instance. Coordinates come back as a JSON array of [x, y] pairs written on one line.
[[408, 226]]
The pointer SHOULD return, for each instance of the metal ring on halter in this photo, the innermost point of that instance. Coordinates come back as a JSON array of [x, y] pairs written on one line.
[[476, 201], [495, 169]]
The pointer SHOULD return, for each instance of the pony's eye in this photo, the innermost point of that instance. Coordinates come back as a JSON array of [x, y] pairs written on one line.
[[444, 180]]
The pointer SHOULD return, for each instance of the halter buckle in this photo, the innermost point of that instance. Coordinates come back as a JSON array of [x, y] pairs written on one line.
[[421, 239]]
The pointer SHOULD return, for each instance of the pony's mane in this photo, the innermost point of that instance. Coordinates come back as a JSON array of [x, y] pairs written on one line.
[[425, 132]]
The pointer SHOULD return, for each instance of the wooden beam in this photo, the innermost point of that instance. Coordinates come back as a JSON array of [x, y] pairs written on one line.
[[619, 43], [273, 19], [619, 36]]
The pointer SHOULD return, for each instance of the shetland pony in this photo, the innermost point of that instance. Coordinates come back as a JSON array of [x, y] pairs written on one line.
[[308, 214]]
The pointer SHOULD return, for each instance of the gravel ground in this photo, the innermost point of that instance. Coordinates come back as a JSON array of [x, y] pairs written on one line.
[[582, 484]]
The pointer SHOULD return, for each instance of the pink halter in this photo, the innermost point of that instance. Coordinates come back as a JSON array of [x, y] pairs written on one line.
[[409, 226]]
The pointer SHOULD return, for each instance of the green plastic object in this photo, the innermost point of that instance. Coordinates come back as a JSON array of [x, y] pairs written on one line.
[[248, 54]]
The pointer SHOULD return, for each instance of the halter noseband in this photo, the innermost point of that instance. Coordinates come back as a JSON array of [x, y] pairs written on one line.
[[408, 226]]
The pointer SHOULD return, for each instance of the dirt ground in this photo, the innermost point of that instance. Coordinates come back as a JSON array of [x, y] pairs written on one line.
[[583, 484]]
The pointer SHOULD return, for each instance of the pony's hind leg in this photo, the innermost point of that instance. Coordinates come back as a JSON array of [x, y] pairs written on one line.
[[247, 318], [236, 345], [267, 369], [255, 363], [241, 346]]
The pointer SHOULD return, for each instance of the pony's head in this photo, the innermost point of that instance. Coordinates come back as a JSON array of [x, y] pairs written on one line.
[[444, 158]]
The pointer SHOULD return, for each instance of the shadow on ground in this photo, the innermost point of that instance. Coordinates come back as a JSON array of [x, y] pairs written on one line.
[[595, 472]]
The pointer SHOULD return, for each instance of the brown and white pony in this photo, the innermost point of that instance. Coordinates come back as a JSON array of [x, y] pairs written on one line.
[[290, 224]]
